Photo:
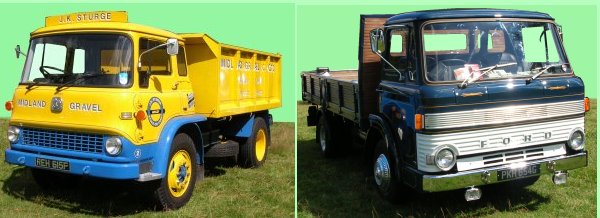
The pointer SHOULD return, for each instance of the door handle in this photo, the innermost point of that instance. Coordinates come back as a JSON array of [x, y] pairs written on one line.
[[176, 84]]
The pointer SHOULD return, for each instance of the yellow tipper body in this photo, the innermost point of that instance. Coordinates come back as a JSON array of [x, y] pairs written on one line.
[[229, 80]]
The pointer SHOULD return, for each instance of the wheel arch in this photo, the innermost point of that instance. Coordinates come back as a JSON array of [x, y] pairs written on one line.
[[174, 126], [380, 128]]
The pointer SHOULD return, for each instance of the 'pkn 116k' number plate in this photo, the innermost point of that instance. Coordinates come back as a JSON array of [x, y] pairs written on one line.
[[52, 164], [518, 172]]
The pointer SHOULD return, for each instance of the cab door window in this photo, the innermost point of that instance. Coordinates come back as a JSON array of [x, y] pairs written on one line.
[[398, 50], [156, 62]]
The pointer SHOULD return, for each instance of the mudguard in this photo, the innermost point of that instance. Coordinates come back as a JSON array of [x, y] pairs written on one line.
[[166, 138], [378, 122]]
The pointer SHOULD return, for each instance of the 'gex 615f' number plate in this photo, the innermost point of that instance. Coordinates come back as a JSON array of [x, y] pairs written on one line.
[[518, 172], [52, 164]]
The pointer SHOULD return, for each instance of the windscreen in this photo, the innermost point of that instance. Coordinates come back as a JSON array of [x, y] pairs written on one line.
[[456, 51], [80, 60]]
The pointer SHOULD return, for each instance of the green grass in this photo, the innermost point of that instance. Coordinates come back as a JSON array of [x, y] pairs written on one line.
[[225, 192], [339, 187]]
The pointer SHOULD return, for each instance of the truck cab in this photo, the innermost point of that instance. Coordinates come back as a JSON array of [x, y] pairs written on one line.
[[460, 98], [102, 97]]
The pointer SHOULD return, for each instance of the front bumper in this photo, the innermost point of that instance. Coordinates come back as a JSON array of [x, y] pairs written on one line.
[[78, 166], [134, 162], [479, 177]]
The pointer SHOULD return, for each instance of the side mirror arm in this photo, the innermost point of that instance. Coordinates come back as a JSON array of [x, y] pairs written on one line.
[[18, 52]]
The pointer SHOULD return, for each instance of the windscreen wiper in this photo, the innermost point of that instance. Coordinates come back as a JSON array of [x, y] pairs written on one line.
[[82, 77], [470, 80], [541, 72], [32, 85]]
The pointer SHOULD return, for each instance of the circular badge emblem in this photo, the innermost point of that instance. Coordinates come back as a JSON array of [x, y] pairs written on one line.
[[155, 111]]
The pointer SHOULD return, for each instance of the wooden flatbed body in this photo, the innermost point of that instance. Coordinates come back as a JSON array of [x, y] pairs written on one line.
[[335, 90]]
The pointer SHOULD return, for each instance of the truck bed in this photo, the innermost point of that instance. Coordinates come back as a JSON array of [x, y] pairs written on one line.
[[337, 91], [228, 80]]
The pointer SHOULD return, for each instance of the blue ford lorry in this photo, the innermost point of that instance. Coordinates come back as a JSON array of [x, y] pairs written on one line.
[[454, 99]]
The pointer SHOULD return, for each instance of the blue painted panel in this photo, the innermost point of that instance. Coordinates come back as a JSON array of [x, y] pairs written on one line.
[[130, 153], [246, 129], [437, 98], [438, 95], [79, 167], [465, 13], [166, 138], [123, 166]]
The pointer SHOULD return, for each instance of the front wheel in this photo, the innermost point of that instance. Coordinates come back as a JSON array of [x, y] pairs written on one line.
[[177, 186], [384, 173], [253, 153]]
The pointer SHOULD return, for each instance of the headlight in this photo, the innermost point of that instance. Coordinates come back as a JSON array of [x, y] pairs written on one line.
[[445, 159], [576, 140], [13, 134], [113, 146]]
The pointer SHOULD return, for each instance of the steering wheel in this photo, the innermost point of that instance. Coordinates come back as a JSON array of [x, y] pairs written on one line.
[[45, 72], [456, 62]]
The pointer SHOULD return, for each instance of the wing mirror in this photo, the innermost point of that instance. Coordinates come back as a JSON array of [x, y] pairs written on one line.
[[377, 41], [18, 52], [172, 49]]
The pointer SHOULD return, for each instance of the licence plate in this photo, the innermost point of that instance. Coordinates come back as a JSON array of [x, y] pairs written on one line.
[[52, 164], [518, 172]]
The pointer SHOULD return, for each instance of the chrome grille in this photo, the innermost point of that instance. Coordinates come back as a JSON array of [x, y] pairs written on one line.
[[492, 140], [509, 157], [62, 140], [501, 115]]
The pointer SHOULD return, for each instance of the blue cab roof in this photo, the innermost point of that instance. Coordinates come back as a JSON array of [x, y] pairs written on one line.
[[465, 13]]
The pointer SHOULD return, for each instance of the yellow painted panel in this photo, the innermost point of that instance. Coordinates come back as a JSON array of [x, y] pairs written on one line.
[[229, 80], [87, 17]]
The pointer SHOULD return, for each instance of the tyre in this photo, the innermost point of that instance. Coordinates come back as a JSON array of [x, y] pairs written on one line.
[[48, 179], [253, 153], [325, 137], [384, 173], [176, 187]]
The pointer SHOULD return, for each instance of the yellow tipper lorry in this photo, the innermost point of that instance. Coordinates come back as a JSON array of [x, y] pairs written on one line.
[[105, 98]]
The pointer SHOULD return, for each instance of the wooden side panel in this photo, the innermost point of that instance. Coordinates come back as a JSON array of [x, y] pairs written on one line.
[[369, 67], [340, 88]]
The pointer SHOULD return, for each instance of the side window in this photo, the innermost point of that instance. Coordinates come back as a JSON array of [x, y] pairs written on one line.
[[399, 39], [181, 62], [157, 61]]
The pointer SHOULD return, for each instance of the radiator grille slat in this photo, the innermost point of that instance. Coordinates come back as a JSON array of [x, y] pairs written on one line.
[[501, 115], [71, 141]]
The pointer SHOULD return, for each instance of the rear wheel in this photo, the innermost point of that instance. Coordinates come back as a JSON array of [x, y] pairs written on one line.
[[325, 136], [384, 173], [48, 179], [253, 153], [177, 186]]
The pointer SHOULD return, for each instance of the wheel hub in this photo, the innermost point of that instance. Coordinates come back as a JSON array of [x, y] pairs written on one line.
[[179, 173], [322, 139], [381, 172]]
